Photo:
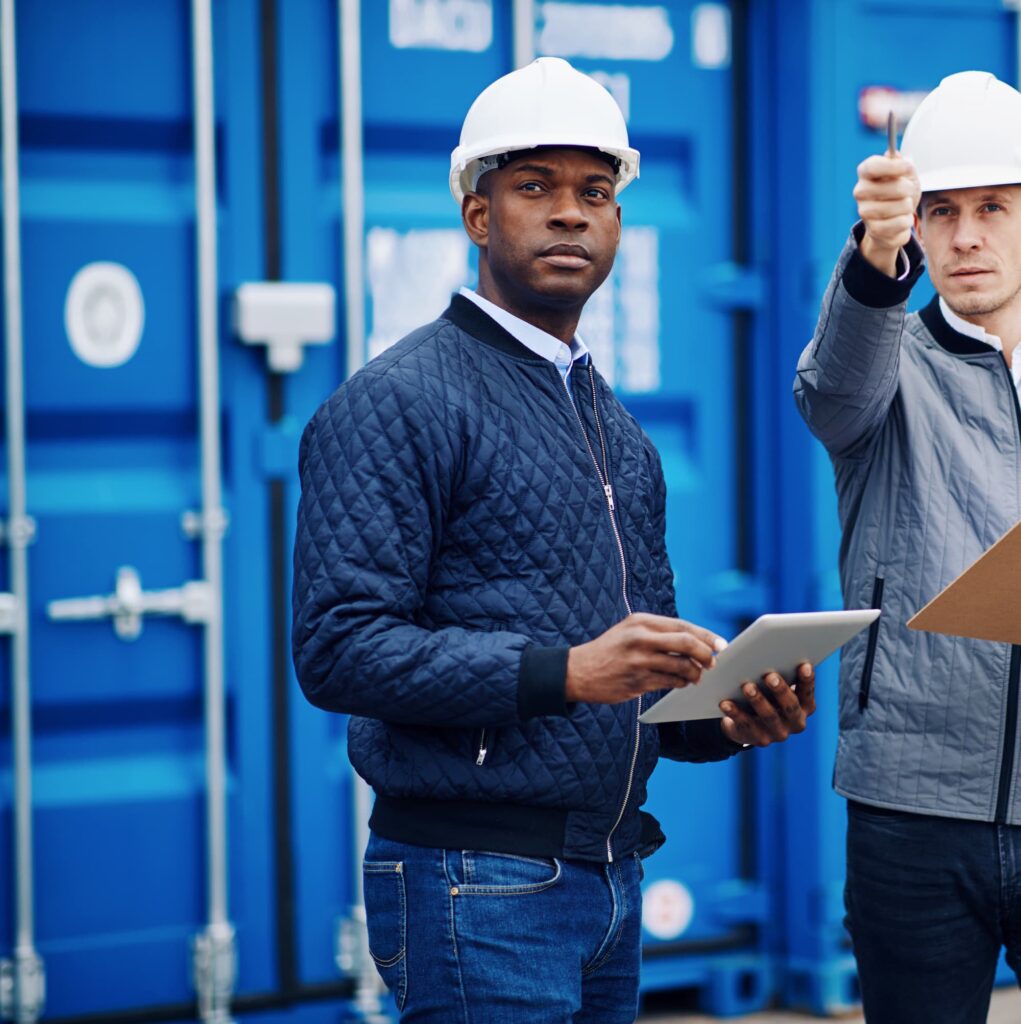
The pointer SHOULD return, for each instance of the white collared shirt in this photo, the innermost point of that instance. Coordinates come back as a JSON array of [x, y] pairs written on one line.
[[979, 333], [534, 338]]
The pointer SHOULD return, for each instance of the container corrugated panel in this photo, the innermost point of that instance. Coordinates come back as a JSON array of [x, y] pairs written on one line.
[[840, 51]]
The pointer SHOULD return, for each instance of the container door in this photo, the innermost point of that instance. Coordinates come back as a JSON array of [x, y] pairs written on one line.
[[108, 223]]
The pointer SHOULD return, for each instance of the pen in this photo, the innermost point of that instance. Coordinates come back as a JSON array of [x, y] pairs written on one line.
[[891, 134]]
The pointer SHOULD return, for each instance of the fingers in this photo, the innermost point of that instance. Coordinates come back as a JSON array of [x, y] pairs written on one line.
[[765, 720], [806, 688], [887, 193], [664, 624], [878, 168]]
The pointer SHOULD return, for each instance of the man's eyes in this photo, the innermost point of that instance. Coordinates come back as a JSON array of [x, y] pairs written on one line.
[[538, 186]]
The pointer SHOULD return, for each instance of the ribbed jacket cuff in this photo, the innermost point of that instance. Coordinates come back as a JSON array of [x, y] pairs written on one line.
[[699, 741], [871, 287], [541, 681]]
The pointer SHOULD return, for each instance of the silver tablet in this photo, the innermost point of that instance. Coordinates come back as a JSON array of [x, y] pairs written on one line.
[[772, 643]]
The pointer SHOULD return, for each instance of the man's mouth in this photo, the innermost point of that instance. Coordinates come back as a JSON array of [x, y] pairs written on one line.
[[970, 271], [566, 255]]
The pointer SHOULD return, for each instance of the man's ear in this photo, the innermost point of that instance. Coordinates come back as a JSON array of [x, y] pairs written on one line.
[[475, 217], [620, 226]]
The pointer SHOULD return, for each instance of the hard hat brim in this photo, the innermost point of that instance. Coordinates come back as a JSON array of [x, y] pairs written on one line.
[[947, 178], [463, 158]]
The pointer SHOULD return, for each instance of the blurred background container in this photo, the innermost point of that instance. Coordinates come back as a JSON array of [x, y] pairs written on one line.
[[187, 839]]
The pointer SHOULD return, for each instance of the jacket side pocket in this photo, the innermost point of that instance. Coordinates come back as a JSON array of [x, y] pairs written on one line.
[[870, 650], [386, 913]]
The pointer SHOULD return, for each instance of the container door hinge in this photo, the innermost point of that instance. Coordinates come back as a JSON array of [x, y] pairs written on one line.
[[214, 963], [129, 603], [197, 526], [355, 962], [18, 532], [22, 987]]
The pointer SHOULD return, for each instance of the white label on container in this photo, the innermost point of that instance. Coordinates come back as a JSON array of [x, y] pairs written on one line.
[[441, 24], [667, 909], [710, 36], [104, 314], [411, 276], [620, 323], [613, 31]]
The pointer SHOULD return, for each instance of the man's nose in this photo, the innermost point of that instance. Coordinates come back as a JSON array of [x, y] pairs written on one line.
[[567, 212], [967, 234]]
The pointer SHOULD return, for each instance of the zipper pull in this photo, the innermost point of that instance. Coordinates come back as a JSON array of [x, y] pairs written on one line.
[[608, 491], [481, 759]]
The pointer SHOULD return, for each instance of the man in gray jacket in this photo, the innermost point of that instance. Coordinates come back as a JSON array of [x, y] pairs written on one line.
[[919, 413]]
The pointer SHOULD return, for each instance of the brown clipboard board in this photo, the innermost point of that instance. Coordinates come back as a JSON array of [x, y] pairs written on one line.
[[984, 602]]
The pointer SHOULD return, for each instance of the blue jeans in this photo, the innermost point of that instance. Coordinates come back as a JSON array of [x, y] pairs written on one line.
[[486, 938], [930, 901]]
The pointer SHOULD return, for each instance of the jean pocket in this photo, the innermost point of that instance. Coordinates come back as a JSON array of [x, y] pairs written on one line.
[[386, 915], [507, 874]]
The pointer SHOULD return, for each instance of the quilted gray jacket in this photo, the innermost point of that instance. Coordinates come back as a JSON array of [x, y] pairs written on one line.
[[922, 426], [454, 540]]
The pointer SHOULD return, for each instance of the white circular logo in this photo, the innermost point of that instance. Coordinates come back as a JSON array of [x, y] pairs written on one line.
[[667, 909], [104, 314]]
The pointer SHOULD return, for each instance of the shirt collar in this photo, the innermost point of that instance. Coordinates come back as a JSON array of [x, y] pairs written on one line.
[[967, 328], [533, 338]]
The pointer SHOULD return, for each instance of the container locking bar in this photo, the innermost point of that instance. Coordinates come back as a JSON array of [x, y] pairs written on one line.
[[22, 978], [129, 603], [22, 986]]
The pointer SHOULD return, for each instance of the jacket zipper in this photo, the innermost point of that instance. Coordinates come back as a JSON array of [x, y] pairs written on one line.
[[1007, 765], [870, 650], [480, 758], [1013, 675], [607, 485]]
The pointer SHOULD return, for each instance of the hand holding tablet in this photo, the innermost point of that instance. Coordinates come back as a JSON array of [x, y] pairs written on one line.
[[772, 644]]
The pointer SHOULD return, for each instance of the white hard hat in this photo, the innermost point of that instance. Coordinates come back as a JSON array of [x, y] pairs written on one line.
[[545, 103], [966, 133]]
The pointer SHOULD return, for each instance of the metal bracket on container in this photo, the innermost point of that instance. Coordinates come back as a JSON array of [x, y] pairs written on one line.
[[197, 525], [17, 533], [214, 965], [285, 317], [22, 988], [350, 945], [129, 603], [8, 613]]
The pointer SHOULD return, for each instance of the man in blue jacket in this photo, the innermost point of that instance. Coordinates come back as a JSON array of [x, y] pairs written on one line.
[[919, 413], [481, 581]]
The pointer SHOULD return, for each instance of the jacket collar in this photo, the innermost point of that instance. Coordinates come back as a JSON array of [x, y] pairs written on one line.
[[947, 337], [465, 314]]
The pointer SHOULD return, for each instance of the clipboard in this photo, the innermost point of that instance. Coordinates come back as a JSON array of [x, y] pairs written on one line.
[[772, 643], [982, 603]]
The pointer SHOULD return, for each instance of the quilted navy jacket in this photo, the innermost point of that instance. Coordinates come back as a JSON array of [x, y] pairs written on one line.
[[454, 539]]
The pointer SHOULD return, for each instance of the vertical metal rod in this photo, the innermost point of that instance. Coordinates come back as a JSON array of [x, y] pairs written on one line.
[[215, 949], [367, 1002], [524, 32], [27, 967], [352, 185]]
